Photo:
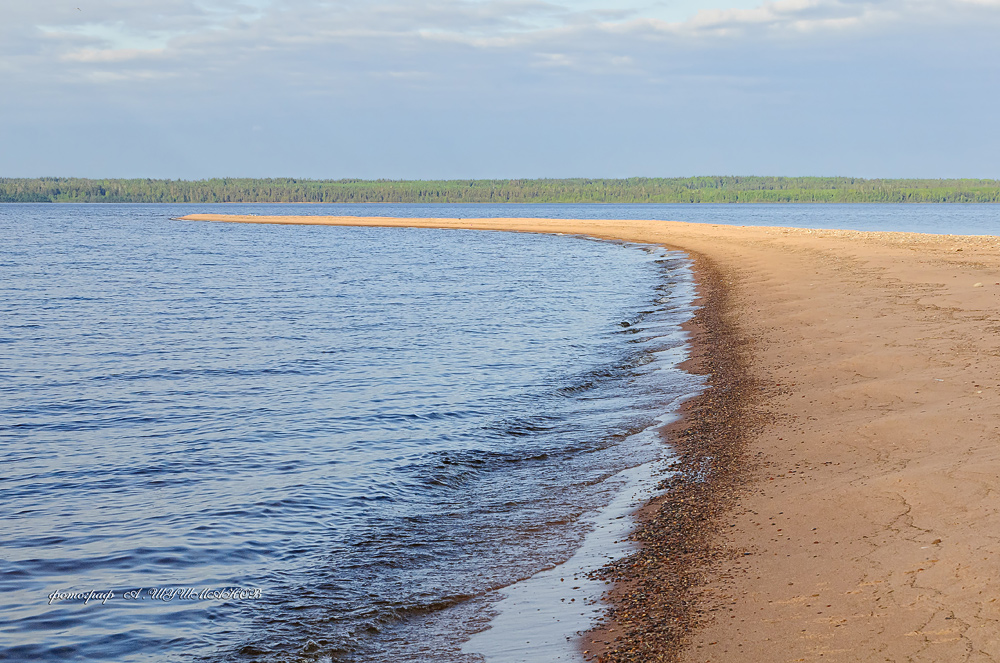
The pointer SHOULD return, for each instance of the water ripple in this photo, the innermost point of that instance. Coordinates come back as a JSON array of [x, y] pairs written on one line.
[[371, 426]]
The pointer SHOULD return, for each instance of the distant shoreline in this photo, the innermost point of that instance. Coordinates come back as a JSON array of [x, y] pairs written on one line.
[[633, 190], [484, 203], [847, 443]]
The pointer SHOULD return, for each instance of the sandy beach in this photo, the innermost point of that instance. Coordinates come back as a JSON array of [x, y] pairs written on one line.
[[837, 497]]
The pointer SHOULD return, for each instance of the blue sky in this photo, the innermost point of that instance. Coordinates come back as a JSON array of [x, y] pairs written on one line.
[[499, 88]]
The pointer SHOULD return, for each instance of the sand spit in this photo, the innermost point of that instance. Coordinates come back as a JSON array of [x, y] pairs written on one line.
[[851, 443]]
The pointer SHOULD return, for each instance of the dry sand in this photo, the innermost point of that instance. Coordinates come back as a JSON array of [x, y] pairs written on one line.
[[866, 523]]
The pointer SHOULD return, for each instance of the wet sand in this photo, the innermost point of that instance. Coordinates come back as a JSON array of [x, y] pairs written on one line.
[[837, 496]]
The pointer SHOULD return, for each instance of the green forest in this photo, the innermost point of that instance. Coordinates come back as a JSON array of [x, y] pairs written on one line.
[[629, 190]]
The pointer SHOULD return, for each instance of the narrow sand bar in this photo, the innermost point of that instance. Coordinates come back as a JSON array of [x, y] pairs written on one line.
[[867, 524]]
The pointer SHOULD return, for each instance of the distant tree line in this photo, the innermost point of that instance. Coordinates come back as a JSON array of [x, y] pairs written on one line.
[[630, 190]]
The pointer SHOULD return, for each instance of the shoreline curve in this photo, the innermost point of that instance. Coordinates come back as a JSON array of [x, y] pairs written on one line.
[[850, 439]]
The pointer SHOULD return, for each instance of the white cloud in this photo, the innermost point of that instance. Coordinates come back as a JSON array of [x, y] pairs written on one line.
[[289, 42], [88, 55], [723, 77]]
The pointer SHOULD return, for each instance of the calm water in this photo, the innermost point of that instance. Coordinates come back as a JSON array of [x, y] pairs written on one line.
[[373, 427], [367, 430]]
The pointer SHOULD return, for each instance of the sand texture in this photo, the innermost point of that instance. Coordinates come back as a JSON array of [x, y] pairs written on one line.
[[856, 426]]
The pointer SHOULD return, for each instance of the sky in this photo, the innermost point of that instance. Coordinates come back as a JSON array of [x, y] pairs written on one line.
[[189, 89]]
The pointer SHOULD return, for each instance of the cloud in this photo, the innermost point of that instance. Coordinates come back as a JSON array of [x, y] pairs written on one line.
[[753, 82], [345, 39], [87, 55], [346, 42]]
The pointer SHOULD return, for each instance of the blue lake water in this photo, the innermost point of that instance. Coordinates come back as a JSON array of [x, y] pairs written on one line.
[[366, 430], [366, 425]]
